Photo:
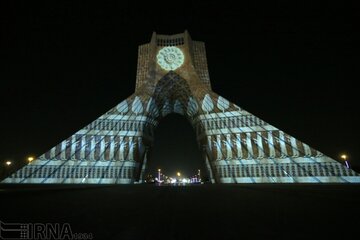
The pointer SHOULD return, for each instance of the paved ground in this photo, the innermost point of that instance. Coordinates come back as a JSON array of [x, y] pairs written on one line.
[[266, 211]]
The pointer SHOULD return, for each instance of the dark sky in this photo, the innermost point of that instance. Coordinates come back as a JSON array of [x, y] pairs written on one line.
[[64, 63]]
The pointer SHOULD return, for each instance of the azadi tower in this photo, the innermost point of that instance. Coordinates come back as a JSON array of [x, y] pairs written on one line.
[[172, 77]]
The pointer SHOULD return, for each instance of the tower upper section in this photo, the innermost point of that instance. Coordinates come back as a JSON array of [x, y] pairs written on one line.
[[177, 53]]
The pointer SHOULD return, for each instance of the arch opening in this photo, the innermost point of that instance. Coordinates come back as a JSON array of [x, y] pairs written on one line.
[[176, 150]]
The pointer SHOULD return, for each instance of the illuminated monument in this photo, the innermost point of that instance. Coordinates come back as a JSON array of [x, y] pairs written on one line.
[[172, 77]]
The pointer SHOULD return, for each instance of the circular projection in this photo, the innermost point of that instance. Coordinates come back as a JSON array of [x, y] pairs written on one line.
[[170, 58]]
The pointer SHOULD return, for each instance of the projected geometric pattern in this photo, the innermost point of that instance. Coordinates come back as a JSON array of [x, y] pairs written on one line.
[[237, 146], [170, 58]]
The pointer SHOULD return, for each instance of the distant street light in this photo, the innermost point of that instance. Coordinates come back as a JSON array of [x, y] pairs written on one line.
[[159, 174], [345, 157], [178, 174], [8, 163], [30, 159]]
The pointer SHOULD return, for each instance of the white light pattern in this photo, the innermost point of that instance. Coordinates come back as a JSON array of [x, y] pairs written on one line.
[[170, 58]]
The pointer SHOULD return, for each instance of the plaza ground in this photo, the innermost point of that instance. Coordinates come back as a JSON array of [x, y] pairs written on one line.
[[246, 211]]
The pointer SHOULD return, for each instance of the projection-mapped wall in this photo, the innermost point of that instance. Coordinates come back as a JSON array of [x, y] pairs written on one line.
[[172, 77]]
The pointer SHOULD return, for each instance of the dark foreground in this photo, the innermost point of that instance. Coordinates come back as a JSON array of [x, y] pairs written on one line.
[[189, 212]]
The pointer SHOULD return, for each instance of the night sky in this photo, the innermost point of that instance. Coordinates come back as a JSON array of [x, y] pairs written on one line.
[[64, 64]]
